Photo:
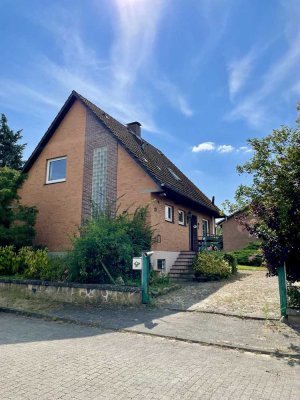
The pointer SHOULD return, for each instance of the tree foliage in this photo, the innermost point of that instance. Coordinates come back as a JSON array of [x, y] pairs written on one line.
[[10, 150], [16, 220], [273, 199]]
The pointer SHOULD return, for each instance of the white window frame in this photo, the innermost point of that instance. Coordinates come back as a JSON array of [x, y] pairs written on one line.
[[183, 213], [207, 233], [163, 262], [48, 170], [167, 208]]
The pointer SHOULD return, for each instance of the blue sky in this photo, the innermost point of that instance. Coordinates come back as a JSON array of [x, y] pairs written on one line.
[[201, 76]]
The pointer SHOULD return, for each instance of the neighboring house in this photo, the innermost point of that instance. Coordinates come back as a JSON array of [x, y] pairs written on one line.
[[235, 235], [87, 156]]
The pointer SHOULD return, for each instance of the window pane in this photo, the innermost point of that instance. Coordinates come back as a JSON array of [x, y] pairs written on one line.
[[57, 169], [205, 227], [181, 216]]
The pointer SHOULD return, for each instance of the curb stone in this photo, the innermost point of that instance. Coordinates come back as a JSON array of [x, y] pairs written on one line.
[[221, 313], [224, 346]]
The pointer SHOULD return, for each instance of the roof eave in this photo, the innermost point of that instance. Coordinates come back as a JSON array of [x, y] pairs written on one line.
[[192, 202]]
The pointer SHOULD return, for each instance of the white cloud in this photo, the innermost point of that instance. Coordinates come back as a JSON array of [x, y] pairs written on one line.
[[172, 93], [205, 146], [239, 72], [108, 82], [245, 149], [222, 148], [225, 148], [255, 107], [135, 34]]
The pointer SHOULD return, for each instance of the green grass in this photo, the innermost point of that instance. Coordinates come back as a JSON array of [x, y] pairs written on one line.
[[250, 268]]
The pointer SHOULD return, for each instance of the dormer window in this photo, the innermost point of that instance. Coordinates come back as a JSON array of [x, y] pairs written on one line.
[[56, 170]]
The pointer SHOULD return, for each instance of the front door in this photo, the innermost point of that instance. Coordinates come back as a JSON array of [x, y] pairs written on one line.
[[193, 233]]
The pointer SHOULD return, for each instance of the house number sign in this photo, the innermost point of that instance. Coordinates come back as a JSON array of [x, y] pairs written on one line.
[[137, 263]]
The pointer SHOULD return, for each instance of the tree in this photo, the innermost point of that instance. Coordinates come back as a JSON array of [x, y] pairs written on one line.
[[274, 198], [10, 150], [16, 221]]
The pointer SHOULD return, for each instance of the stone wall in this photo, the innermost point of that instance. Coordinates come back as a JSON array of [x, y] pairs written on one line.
[[70, 292]]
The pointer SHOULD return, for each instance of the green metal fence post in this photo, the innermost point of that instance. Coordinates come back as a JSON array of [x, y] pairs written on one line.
[[282, 290], [145, 278]]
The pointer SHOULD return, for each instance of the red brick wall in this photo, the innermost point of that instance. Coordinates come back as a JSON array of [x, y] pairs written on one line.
[[134, 185], [59, 204], [174, 237], [235, 236]]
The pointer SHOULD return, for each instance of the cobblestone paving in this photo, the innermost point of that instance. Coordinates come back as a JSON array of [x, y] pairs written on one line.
[[46, 360], [250, 293]]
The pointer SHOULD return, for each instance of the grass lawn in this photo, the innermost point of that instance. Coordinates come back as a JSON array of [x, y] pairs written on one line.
[[250, 268]]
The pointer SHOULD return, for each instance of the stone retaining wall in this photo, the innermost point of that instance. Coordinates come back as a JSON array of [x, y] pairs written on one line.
[[70, 292]]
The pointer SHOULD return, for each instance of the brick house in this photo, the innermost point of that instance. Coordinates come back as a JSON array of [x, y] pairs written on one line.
[[87, 155], [235, 235]]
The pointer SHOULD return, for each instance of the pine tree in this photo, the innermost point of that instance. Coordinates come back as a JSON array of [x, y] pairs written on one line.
[[10, 151]]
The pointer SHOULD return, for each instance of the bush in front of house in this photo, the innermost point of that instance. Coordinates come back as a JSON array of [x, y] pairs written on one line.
[[294, 297], [232, 261], [103, 252], [211, 266], [249, 255], [25, 262], [8, 260]]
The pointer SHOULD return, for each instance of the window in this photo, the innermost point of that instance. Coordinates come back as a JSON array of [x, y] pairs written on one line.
[[56, 170], [161, 264], [99, 179], [169, 213], [181, 217], [205, 227], [174, 174]]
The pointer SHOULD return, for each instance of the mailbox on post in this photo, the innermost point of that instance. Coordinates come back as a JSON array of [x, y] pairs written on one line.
[[143, 264]]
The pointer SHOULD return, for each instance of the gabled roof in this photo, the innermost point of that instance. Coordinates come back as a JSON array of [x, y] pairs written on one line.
[[152, 160]]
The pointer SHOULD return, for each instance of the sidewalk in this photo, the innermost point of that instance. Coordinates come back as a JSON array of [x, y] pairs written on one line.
[[270, 337]]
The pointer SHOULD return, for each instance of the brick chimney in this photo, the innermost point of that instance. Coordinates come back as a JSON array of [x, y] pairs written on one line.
[[135, 127]]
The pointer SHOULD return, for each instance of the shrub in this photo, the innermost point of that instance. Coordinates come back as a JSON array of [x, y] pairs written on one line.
[[157, 278], [250, 255], [57, 269], [8, 260], [294, 297], [232, 261], [27, 262], [108, 242], [211, 265], [33, 262]]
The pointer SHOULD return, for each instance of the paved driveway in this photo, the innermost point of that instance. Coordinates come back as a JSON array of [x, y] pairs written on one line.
[[249, 293], [46, 360]]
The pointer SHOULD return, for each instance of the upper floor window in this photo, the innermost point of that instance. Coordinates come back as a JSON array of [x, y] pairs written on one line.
[[56, 170], [181, 217], [169, 213]]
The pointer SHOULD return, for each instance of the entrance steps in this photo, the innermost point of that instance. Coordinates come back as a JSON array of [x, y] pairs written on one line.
[[181, 270]]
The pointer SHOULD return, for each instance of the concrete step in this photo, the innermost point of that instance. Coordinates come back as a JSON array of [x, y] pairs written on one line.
[[187, 278], [180, 271], [182, 266], [180, 274]]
